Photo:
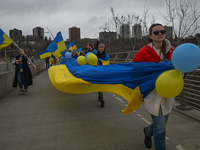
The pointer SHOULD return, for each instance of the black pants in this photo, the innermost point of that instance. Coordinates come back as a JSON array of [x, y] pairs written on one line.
[[47, 65], [100, 96]]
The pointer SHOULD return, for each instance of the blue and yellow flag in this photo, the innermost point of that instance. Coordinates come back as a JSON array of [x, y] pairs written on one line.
[[45, 54], [57, 46], [73, 45], [4, 40], [132, 81], [105, 60], [79, 50], [70, 47]]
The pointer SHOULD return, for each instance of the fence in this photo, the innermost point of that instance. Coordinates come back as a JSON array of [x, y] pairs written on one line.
[[8, 66], [122, 57], [188, 98]]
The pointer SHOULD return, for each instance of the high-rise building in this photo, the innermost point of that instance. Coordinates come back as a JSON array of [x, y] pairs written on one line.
[[107, 35], [15, 33], [125, 31], [169, 32], [38, 32], [74, 33], [137, 31]]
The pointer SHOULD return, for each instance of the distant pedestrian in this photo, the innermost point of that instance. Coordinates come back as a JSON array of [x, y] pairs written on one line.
[[74, 54], [103, 59], [90, 48], [23, 74], [47, 62]]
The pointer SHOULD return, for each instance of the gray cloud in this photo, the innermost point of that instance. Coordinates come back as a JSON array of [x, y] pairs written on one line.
[[60, 15]]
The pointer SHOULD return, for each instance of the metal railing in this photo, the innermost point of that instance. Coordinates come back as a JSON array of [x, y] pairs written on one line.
[[122, 57], [190, 95], [8, 66]]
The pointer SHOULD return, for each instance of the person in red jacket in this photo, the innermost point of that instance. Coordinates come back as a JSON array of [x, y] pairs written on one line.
[[157, 49]]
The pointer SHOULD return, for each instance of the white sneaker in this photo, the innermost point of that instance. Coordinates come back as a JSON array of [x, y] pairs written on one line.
[[25, 92], [21, 92]]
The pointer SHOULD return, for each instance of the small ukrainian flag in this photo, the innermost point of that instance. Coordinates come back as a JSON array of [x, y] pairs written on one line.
[[45, 54]]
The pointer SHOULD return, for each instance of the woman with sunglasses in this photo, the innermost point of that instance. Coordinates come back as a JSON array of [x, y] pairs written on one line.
[[157, 49]]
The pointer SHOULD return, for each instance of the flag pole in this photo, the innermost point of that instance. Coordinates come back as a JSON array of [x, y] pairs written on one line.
[[21, 50], [50, 32], [24, 54]]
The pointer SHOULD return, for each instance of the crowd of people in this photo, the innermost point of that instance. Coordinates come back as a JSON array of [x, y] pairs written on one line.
[[157, 49]]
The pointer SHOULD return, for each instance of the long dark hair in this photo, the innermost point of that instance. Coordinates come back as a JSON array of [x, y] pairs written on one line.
[[163, 48]]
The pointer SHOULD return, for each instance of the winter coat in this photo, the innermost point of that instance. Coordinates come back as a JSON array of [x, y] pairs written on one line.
[[26, 71]]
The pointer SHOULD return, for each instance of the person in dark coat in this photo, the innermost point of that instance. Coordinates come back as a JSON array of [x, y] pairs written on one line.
[[23, 74], [103, 59]]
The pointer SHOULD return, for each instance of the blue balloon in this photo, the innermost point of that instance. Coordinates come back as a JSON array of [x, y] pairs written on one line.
[[87, 55], [186, 57], [68, 55], [63, 53]]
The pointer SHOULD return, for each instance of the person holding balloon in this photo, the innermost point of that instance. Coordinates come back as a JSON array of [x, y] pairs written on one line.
[[157, 49], [103, 59]]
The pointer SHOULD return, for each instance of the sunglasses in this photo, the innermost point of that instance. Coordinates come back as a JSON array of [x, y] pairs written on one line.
[[161, 31]]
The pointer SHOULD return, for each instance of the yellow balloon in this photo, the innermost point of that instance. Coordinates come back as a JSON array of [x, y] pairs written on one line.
[[169, 84], [81, 60], [92, 59]]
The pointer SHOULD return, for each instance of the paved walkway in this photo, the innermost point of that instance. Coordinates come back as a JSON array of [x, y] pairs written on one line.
[[47, 119]]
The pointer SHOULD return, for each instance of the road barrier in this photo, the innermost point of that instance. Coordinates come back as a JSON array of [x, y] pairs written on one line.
[[6, 78]]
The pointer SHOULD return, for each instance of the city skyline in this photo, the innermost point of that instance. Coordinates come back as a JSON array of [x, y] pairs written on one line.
[[76, 32], [60, 15]]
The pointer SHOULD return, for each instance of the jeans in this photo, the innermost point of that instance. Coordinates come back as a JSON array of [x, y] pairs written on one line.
[[21, 80], [158, 130]]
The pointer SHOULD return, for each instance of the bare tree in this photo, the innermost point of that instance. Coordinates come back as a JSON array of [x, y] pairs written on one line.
[[183, 16], [117, 21], [129, 19]]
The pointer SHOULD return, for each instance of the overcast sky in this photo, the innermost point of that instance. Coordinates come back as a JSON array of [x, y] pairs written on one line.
[[59, 15]]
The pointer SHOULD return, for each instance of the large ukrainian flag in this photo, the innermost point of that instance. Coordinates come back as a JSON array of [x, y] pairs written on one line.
[[57, 46], [4, 40], [132, 81], [45, 54]]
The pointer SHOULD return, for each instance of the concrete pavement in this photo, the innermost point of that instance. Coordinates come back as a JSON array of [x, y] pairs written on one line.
[[47, 119]]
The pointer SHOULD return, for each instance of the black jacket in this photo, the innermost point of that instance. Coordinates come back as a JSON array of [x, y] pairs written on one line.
[[27, 73]]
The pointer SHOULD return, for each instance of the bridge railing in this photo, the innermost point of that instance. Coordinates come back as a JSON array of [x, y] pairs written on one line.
[[122, 57], [189, 98], [8, 66]]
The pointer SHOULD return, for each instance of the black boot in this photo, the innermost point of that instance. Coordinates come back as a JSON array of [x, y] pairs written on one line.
[[147, 140], [102, 103]]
